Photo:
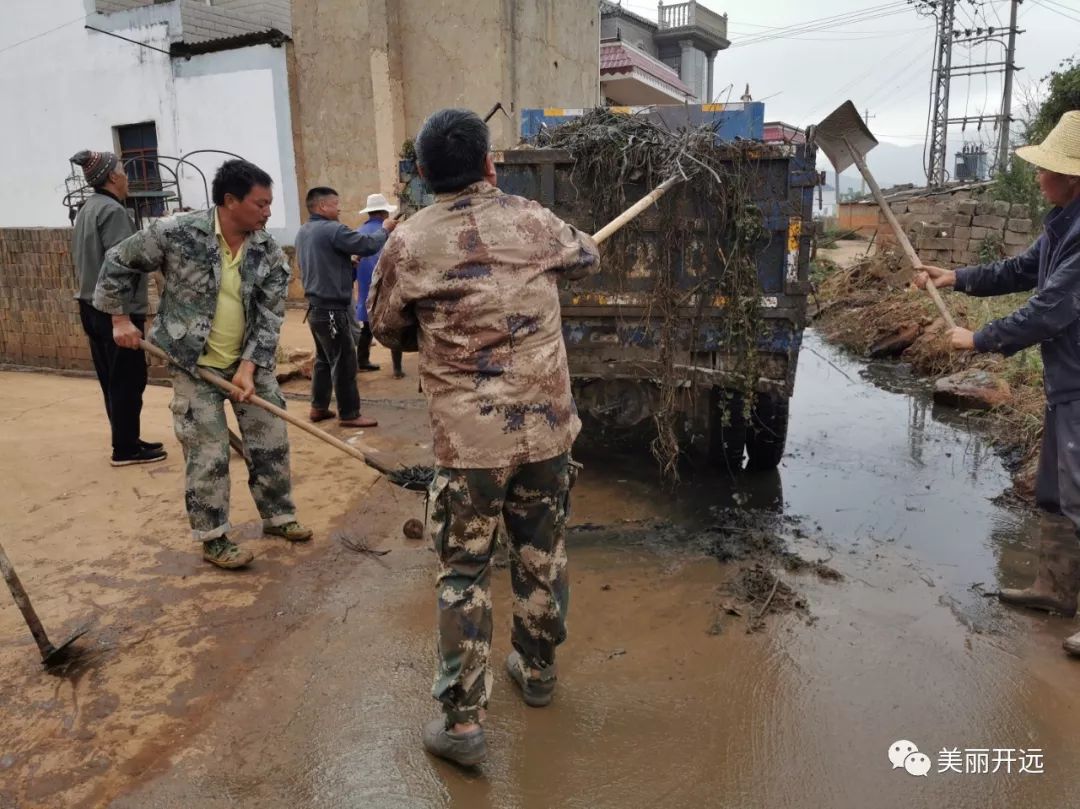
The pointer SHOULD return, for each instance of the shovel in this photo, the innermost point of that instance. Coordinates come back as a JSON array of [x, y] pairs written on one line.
[[50, 654], [400, 477], [846, 140]]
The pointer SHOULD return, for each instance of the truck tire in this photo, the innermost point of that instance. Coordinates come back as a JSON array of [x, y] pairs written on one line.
[[727, 442], [766, 434]]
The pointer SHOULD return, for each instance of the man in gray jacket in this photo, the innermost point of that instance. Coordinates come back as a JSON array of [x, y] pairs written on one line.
[[324, 250], [102, 222]]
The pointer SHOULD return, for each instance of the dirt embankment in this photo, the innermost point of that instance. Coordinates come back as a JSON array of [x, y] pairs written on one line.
[[867, 303]]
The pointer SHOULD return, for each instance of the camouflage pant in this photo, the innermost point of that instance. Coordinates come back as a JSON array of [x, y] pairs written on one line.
[[199, 420], [467, 504]]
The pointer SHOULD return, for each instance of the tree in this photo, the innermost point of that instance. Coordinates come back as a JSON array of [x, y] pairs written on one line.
[[1059, 92]]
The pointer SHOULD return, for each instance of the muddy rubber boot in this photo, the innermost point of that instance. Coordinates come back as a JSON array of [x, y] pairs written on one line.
[[466, 749], [1057, 580], [292, 531], [226, 554], [537, 692]]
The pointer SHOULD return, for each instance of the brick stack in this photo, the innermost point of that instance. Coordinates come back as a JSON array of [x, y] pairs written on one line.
[[953, 230], [39, 316]]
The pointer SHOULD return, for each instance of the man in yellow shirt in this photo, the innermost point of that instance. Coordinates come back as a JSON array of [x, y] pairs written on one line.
[[227, 330], [222, 309]]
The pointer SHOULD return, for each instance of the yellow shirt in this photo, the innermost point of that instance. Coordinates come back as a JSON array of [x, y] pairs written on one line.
[[226, 339]]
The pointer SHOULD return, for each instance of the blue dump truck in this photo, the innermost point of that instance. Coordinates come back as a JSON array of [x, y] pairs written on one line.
[[610, 343]]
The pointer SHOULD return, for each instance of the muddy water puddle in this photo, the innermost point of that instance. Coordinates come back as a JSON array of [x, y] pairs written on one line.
[[657, 704]]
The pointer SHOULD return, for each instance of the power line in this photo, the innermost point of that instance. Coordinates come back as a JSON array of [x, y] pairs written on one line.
[[922, 54], [948, 36], [825, 24], [804, 23], [839, 91], [43, 33], [1051, 8]]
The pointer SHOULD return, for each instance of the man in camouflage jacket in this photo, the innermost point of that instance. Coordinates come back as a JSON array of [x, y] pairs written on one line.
[[476, 274], [221, 311]]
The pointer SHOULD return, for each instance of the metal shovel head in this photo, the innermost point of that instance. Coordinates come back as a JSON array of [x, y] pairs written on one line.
[[844, 128], [59, 654]]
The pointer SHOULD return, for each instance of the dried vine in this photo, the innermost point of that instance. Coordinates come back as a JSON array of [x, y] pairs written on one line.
[[710, 233]]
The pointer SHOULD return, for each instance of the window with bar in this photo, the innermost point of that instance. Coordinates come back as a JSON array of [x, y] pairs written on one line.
[[138, 149]]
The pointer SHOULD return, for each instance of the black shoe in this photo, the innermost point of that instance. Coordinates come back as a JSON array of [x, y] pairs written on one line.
[[151, 445], [368, 367], [141, 455]]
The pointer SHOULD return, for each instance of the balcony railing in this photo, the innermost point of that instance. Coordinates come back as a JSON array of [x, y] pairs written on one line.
[[692, 15]]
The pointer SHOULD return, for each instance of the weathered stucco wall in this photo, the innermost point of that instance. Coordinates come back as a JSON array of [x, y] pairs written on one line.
[[333, 112], [369, 71]]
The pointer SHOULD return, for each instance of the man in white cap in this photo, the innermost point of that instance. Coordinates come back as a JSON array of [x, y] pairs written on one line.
[[1050, 319], [377, 210]]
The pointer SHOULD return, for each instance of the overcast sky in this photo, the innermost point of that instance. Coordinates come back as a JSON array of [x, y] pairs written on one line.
[[882, 62]]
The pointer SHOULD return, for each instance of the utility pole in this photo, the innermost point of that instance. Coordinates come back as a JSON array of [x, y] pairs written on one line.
[[1006, 98], [939, 115], [944, 72], [862, 180]]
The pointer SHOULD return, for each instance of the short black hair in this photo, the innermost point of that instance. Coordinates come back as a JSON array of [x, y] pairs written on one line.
[[451, 149], [318, 193], [237, 177]]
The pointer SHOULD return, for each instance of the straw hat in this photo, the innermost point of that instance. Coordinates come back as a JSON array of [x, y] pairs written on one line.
[[1060, 151], [377, 202]]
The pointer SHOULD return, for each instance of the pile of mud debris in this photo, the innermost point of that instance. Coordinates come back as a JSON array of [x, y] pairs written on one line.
[[755, 544], [872, 308]]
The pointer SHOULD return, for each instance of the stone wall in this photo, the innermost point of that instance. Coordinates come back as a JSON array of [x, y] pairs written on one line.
[[960, 229], [39, 317]]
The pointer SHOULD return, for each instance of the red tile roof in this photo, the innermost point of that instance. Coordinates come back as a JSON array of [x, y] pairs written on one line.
[[620, 57]]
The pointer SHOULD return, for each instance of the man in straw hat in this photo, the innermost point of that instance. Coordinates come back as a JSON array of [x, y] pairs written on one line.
[[103, 222], [378, 210], [1051, 319]]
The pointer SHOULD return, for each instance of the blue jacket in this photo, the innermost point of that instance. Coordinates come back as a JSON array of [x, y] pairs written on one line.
[[364, 268], [1051, 317]]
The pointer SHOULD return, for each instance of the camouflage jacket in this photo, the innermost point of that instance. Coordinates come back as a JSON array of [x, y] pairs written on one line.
[[478, 273], [185, 249]]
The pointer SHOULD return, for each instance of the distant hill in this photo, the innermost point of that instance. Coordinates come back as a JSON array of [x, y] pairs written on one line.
[[890, 164]]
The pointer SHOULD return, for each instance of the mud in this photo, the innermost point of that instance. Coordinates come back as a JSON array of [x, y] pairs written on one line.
[[305, 682]]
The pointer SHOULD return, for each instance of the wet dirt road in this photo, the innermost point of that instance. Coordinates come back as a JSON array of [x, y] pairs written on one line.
[[665, 700]]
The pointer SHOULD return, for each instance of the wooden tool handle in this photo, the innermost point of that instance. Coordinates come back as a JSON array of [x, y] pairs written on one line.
[[619, 221], [307, 427], [22, 601], [901, 236]]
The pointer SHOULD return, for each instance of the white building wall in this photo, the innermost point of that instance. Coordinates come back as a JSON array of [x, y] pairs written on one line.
[[66, 90], [238, 101]]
